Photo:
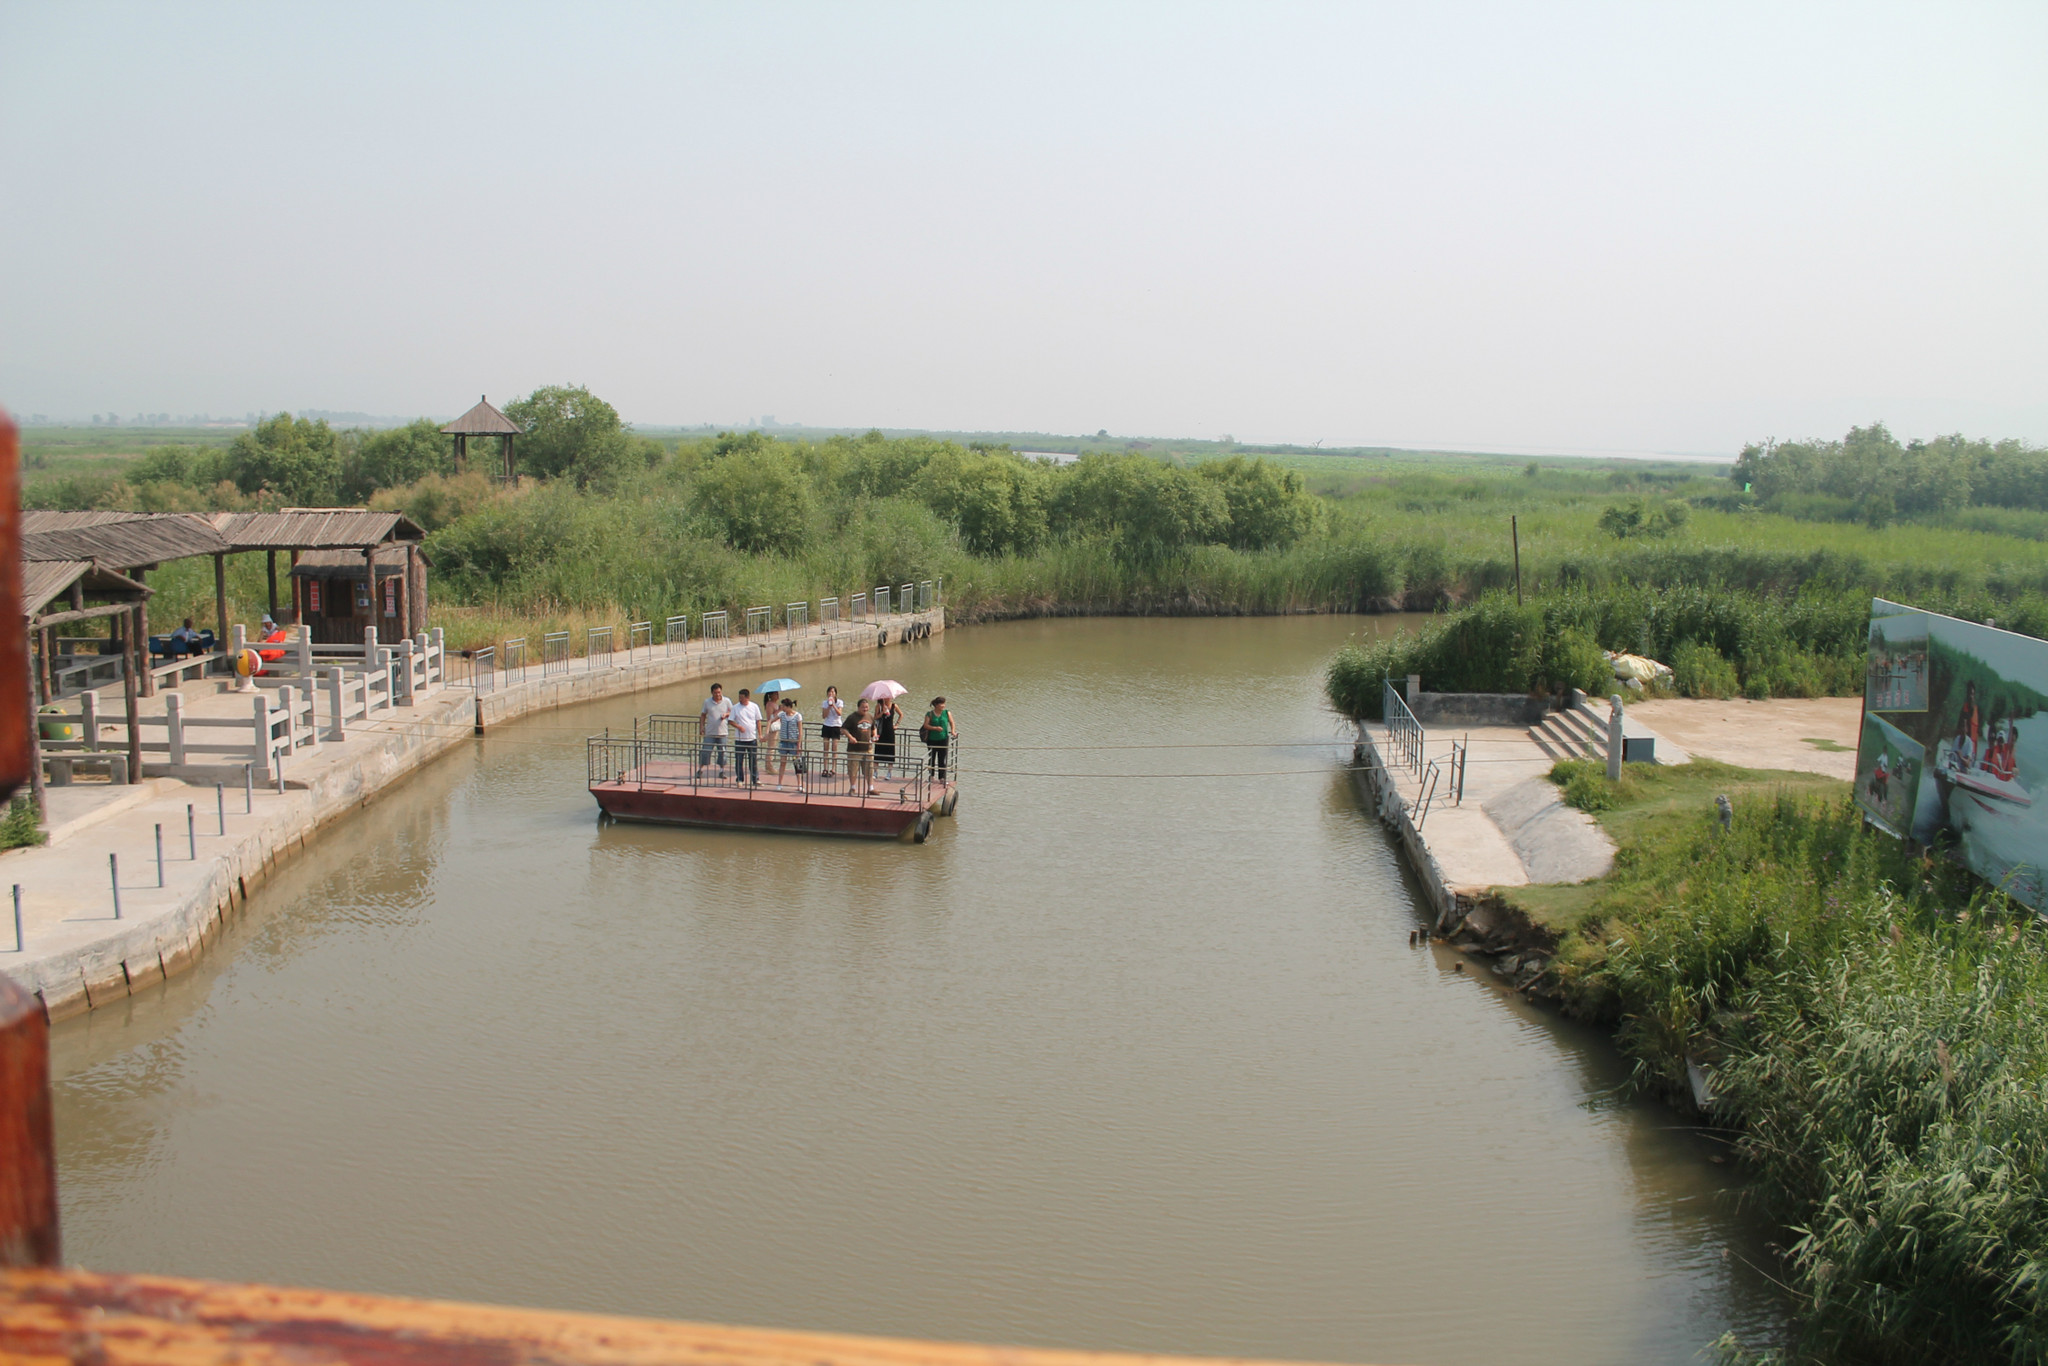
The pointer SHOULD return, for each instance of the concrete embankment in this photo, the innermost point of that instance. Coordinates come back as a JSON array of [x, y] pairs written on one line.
[[93, 932], [1478, 813]]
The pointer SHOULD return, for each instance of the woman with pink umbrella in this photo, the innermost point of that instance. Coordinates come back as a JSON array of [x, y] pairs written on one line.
[[883, 693]]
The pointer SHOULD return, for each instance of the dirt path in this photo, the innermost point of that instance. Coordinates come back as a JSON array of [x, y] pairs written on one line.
[[1775, 734]]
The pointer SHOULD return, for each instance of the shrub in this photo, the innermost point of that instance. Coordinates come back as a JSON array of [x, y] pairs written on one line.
[[19, 827], [1586, 784], [1699, 671]]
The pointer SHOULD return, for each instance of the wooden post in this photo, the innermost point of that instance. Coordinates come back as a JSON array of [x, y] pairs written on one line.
[[35, 741], [1515, 530], [28, 1152], [136, 645], [147, 679], [405, 593], [461, 451], [49, 637], [270, 569], [505, 450], [220, 602]]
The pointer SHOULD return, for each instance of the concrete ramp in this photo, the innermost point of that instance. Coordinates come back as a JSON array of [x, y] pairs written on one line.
[[1556, 843]]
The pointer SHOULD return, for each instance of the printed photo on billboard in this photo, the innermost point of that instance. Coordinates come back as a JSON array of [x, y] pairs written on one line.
[[1982, 737], [1889, 766], [1897, 675]]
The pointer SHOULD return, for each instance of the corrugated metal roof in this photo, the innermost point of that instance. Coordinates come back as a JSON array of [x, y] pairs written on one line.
[[119, 540], [482, 420], [313, 528], [42, 580]]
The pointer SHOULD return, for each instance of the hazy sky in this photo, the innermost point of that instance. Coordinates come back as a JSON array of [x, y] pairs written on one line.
[[1569, 227]]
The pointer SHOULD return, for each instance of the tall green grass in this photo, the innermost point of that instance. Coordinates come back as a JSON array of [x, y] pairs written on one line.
[[1872, 1024]]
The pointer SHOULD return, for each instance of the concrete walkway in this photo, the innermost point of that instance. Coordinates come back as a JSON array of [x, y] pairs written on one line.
[[1508, 828], [78, 954]]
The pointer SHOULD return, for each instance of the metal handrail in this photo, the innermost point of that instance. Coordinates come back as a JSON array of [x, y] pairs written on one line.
[[717, 626], [1404, 732], [795, 615], [639, 634], [597, 644], [857, 607], [515, 656], [759, 619], [675, 631], [554, 653], [668, 751], [483, 672]]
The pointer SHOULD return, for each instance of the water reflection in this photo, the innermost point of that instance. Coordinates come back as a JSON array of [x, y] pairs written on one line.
[[1111, 1061]]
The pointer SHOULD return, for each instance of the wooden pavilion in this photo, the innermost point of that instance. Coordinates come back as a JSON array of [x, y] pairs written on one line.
[[484, 420], [57, 592]]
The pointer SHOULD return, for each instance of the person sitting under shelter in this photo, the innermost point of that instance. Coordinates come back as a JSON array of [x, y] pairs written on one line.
[[184, 640], [271, 648]]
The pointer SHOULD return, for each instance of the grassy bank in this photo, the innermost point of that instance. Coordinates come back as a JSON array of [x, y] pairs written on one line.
[[1871, 1023]]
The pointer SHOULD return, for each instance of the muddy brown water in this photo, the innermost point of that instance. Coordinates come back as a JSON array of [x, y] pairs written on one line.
[[1132, 1054]]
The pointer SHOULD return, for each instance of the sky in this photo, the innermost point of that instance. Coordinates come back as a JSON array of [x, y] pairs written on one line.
[[1572, 227]]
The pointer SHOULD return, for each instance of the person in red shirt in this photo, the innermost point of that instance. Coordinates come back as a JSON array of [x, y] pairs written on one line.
[[271, 648]]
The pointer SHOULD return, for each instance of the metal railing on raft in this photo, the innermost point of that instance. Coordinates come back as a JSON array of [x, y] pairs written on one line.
[[1404, 732], [671, 752], [828, 611]]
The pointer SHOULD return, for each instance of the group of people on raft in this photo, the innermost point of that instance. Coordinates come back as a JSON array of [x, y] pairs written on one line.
[[870, 734], [1995, 751]]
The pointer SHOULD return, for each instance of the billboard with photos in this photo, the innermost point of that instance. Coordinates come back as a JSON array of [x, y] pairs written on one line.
[[1955, 742]]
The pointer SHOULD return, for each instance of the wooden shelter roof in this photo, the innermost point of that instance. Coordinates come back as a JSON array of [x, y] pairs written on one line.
[[314, 529], [42, 580], [121, 540], [483, 420], [348, 564]]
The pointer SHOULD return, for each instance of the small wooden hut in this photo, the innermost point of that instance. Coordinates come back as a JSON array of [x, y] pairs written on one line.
[[484, 420]]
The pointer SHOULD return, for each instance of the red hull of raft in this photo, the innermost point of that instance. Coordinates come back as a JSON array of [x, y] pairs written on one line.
[[764, 808]]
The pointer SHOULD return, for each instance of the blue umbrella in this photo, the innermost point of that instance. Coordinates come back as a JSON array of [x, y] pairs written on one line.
[[780, 685]]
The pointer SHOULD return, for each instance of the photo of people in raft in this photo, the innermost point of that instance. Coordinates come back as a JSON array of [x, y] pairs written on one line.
[[1978, 750]]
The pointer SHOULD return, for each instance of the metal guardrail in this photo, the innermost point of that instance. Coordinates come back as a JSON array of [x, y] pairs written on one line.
[[670, 751], [881, 600], [795, 616], [759, 619], [554, 653], [905, 595], [924, 596], [857, 607], [639, 636], [597, 647], [828, 611], [483, 670], [1404, 732], [675, 631], [717, 626], [514, 657]]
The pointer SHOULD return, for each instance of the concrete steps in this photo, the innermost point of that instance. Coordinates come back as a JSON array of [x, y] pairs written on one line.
[[1571, 734]]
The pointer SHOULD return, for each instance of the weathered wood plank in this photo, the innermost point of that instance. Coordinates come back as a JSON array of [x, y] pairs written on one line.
[[28, 1161], [65, 1316]]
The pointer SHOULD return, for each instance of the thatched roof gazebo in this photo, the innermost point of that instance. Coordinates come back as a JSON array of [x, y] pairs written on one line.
[[484, 420]]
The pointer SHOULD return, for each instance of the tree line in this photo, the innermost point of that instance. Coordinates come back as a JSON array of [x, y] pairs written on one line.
[[1870, 476]]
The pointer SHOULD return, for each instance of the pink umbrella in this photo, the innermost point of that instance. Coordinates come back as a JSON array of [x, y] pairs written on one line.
[[882, 690]]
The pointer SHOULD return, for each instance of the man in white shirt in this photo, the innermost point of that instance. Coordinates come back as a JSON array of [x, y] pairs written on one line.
[[716, 709], [746, 740]]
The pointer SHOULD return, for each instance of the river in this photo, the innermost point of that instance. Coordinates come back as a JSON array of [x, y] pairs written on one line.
[[1132, 1054]]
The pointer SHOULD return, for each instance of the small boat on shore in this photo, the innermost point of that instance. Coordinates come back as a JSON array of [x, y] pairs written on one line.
[[666, 773]]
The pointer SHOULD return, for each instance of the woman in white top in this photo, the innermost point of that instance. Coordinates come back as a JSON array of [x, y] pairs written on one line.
[[831, 720]]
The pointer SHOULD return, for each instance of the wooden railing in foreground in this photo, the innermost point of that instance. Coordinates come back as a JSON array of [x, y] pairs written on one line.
[[51, 1315]]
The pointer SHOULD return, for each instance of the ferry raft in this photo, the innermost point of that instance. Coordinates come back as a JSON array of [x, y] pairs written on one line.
[[666, 773]]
